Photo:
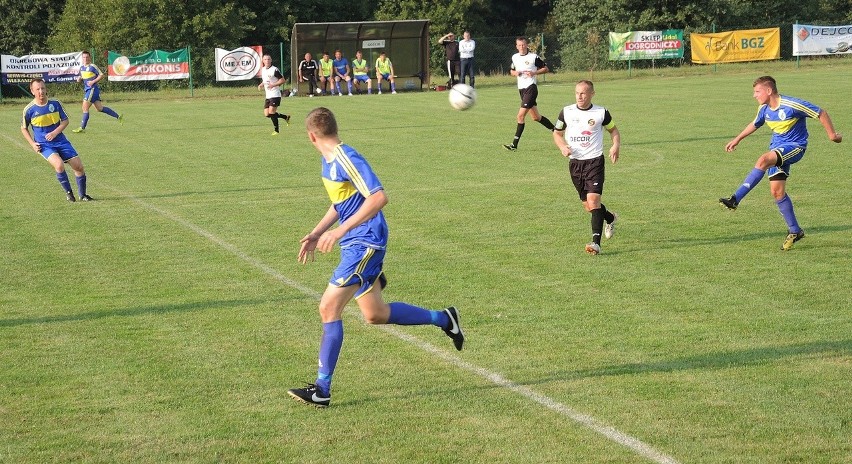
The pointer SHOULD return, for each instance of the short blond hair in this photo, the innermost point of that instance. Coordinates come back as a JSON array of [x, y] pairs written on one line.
[[321, 121]]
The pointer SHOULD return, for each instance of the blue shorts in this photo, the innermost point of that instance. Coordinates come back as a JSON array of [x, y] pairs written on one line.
[[62, 148], [787, 155], [385, 76], [362, 77], [359, 265], [92, 95]]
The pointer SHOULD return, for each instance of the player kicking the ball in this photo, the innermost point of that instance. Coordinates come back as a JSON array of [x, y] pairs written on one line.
[[786, 117], [357, 199]]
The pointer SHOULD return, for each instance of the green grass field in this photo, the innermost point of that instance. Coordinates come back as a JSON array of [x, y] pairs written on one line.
[[165, 321]]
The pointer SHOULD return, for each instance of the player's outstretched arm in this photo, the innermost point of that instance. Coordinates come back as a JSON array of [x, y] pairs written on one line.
[[615, 149], [825, 120], [732, 145], [309, 242]]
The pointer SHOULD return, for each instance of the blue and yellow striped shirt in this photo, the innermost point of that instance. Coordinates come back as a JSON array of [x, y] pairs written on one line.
[[349, 180], [44, 119], [787, 121]]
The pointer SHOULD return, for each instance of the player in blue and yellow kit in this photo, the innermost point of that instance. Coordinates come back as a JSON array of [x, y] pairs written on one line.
[[786, 116], [357, 197], [48, 120], [90, 75]]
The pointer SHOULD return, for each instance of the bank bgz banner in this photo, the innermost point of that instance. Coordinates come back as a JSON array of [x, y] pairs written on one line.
[[646, 45], [821, 40], [238, 65], [51, 68], [736, 46], [152, 66]]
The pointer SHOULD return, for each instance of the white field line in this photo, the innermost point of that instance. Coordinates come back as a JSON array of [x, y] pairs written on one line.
[[639, 447]]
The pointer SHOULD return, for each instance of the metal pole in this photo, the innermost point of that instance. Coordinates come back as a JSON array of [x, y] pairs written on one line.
[[189, 58]]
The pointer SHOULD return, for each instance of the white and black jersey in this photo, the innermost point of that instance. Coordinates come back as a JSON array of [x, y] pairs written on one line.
[[270, 75], [527, 63], [584, 130], [308, 69]]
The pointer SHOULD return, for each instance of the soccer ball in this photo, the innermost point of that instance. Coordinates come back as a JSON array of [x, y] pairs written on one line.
[[462, 96]]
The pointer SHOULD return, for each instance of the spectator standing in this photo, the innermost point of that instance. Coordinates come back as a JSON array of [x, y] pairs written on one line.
[[466, 48]]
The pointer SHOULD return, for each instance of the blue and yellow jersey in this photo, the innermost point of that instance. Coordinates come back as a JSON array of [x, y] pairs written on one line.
[[787, 121], [349, 180], [89, 73], [44, 119], [340, 65]]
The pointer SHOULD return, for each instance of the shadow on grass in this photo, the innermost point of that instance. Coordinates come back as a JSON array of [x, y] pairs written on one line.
[[675, 242], [200, 193], [130, 312], [717, 360]]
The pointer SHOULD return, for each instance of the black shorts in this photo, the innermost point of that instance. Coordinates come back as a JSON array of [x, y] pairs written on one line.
[[528, 96], [587, 175], [276, 102]]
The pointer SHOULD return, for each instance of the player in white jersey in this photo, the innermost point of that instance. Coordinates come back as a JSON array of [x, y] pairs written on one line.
[[526, 66], [271, 82], [579, 135]]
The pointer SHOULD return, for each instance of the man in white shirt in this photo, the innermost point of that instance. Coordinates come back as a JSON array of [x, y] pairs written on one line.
[[526, 65], [271, 82], [466, 48], [579, 136]]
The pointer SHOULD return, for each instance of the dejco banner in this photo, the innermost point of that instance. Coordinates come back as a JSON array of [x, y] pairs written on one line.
[[151, 66], [736, 46], [821, 40], [646, 45]]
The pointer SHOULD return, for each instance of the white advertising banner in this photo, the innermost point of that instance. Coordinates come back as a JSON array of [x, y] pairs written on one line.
[[51, 68], [821, 40], [238, 65]]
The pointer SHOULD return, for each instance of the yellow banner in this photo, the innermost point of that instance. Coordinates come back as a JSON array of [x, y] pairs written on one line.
[[734, 46]]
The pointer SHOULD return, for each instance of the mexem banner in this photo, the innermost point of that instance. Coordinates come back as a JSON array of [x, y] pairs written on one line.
[[152, 66], [238, 65], [821, 40], [646, 45], [51, 68], [735, 46]]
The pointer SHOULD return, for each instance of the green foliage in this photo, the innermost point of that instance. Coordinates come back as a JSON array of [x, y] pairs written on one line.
[[24, 25]]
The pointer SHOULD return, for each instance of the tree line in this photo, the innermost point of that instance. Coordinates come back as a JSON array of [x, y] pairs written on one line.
[[579, 27]]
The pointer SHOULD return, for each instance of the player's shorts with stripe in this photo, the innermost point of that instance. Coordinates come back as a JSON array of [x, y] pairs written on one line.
[[359, 265], [587, 175], [362, 77], [62, 148], [92, 94], [276, 102], [528, 96], [787, 155]]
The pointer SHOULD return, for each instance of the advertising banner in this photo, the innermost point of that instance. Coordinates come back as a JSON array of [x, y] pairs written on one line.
[[736, 46], [151, 66], [51, 68], [821, 40], [238, 65], [646, 45]]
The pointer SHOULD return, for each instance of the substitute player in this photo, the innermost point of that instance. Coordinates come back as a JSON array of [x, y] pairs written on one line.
[[271, 82], [526, 66], [90, 75], [786, 117], [579, 135], [360, 73], [48, 120], [384, 71], [326, 70], [357, 198]]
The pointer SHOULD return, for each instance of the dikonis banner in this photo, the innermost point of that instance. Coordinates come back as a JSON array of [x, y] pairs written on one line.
[[736, 46], [646, 45], [151, 66]]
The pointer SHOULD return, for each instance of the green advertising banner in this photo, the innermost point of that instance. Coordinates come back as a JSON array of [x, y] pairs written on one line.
[[646, 45], [151, 66]]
